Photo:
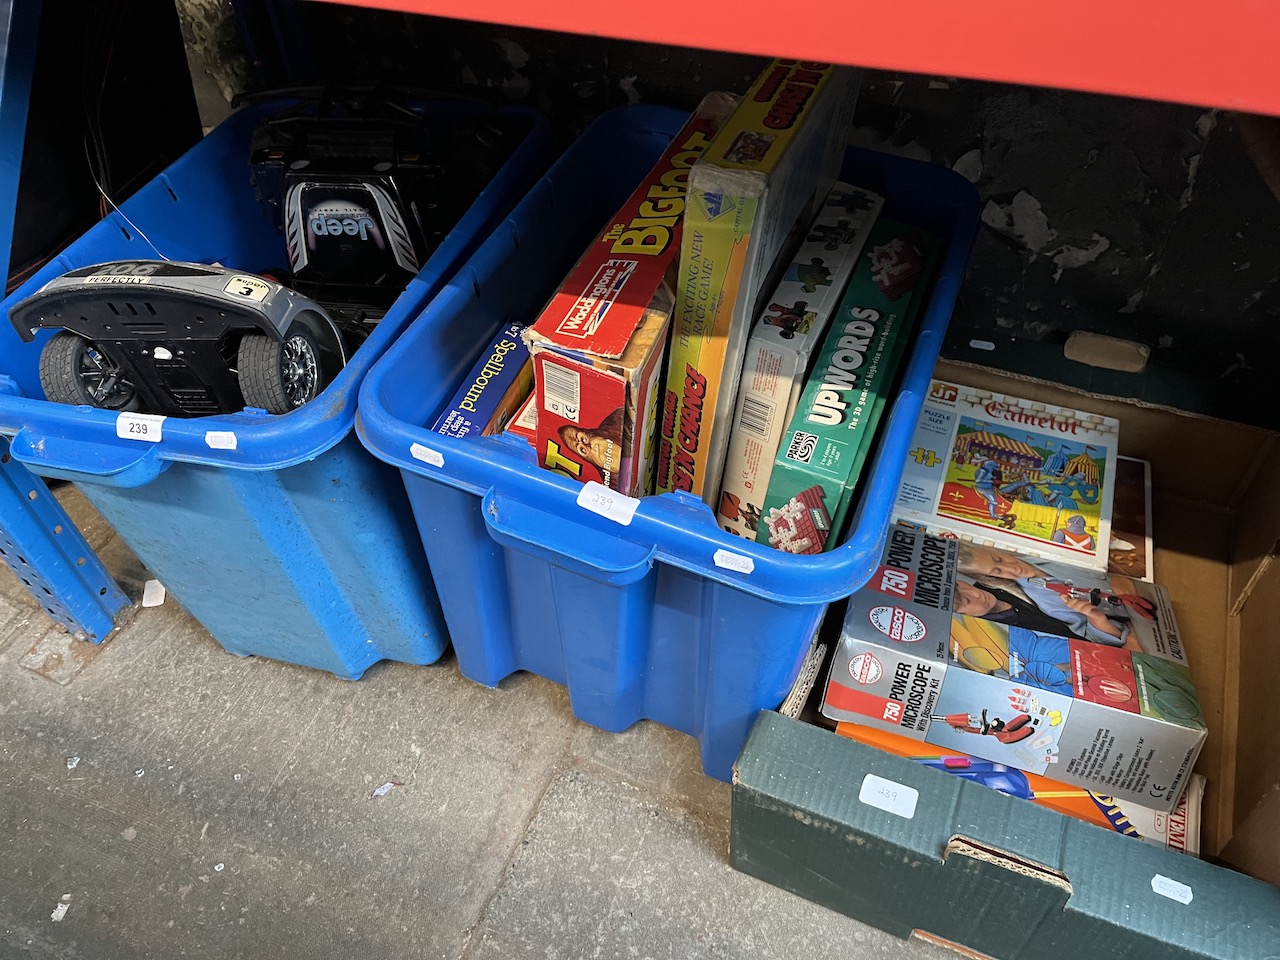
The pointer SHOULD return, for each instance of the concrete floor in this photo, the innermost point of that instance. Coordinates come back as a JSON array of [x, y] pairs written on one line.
[[170, 800]]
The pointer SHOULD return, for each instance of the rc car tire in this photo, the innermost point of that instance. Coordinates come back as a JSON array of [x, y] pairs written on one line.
[[279, 375], [77, 371]]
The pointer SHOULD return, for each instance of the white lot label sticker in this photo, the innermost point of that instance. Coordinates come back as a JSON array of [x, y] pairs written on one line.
[[220, 439], [250, 288], [598, 498], [734, 561], [1172, 889], [153, 593], [139, 426], [889, 796], [426, 455]]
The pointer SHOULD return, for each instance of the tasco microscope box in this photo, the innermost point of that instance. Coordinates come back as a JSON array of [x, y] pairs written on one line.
[[1082, 711]]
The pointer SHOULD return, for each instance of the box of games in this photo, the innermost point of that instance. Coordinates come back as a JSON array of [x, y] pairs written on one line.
[[826, 443], [1178, 830], [1030, 476], [492, 390], [525, 423], [778, 352], [598, 345], [757, 187], [1130, 550], [1081, 706]]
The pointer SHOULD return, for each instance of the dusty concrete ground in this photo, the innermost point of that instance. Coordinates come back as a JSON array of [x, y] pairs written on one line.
[[167, 799]]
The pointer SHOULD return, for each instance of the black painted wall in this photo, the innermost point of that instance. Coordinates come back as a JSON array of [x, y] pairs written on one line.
[[1141, 220]]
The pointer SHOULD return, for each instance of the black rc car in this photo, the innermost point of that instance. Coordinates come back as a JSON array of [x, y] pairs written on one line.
[[362, 189], [180, 339]]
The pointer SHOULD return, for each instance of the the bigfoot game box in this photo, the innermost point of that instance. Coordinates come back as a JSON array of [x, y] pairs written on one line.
[[1105, 703], [598, 346], [1034, 477]]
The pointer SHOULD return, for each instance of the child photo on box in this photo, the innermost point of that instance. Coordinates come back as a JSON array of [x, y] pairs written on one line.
[[988, 566]]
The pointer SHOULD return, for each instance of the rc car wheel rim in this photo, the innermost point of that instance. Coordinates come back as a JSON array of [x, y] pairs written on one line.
[[299, 371], [103, 381]]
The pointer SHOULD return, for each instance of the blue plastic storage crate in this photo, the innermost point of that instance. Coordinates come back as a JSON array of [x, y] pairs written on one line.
[[668, 617], [281, 535]]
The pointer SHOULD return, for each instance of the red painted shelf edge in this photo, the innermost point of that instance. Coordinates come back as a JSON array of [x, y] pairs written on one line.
[[1220, 55]]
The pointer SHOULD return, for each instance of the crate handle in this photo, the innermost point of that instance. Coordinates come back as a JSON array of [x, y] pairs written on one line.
[[592, 546], [127, 463]]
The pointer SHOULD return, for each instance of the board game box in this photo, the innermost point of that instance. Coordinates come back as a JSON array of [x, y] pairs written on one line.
[[1034, 477], [1074, 706], [784, 337], [760, 182], [1131, 549], [826, 443], [598, 345], [525, 423], [1178, 830], [496, 385]]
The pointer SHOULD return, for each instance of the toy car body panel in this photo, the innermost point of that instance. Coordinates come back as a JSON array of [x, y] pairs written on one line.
[[172, 330]]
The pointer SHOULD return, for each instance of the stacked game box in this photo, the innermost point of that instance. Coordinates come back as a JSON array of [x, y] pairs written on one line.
[[1033, 477], [826, 443], [1178, 830], [498, 382], [784, 336], [1019, 661], [598, 345], [1131, 551], [760, 182]]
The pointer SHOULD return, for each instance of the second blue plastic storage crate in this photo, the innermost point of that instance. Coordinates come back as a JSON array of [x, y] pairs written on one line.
[[280, 534], [667, 617]]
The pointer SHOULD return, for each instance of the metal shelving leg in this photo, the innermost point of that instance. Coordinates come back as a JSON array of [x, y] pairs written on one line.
[[50, 556]]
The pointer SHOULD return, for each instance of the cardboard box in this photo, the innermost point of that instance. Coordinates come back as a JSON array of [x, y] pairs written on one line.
[[1178, 830], [525, 423], [1005, 470], [1008, 879], [762, 178], [492, 390], [1130, 552], [819, 462], [783, 338], [1096, 715], [598, 346]]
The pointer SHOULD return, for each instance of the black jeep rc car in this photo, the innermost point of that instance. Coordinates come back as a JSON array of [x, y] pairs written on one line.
[[180, 339], [364, 190]]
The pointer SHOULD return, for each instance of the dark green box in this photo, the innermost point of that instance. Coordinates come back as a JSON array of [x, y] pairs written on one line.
[[993, 873]]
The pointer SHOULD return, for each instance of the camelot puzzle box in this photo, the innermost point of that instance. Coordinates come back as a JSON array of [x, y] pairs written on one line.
[[761, 180], [598, 346], [784, 337], [1035, 477], [1081, 706]]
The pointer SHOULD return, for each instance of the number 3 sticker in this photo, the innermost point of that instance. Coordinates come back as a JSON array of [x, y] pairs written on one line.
[[249, 288]]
